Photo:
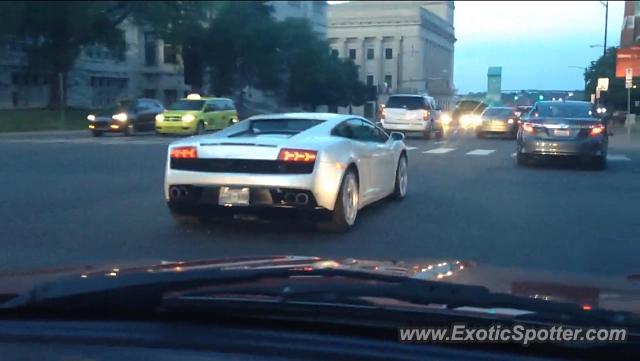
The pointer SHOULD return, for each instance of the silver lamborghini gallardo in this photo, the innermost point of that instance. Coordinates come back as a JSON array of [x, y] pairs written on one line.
[[321, 167]]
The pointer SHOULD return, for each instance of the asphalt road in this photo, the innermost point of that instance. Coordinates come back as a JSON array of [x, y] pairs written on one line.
[[69, 199]]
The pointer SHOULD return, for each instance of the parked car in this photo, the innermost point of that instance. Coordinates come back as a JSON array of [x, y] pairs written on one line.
[[412, 113], [317, 166], [561, 129], [196, 115], [127, 117], [498, 120]]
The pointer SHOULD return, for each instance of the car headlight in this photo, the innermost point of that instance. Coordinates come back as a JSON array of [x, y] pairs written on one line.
[[188, 118], [121, 117], [510, 121], [445, 119], [91, 117], [159, 117], [234, 120], [476, 120]]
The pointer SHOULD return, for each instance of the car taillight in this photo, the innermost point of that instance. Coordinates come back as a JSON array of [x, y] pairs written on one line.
[[184, 153], [383, 114], [297, 155], [528, 128], [596, 130], [425, 115]]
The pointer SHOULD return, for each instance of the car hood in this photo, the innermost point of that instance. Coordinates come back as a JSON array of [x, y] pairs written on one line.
[[619, 293]]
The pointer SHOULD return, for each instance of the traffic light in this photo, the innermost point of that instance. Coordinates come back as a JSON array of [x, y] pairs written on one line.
[[540, 97]]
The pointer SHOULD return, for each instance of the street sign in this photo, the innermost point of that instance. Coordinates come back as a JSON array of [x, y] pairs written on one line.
[[628, 78], [627, 58], [603, 84], [593, 98], [597, 93]]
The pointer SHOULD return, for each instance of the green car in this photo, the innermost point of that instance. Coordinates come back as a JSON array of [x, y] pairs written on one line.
[[195, 115]]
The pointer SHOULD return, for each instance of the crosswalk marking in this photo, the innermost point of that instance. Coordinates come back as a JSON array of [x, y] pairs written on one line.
[[481, 152], [616, 157], [439, 151]]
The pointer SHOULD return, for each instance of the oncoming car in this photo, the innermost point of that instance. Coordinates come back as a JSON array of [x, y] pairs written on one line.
[[195, 115], [127, 117], [324, 166]]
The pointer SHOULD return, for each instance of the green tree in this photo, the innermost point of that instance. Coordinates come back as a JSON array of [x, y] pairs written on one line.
[[605, 67], [242, 47], [54, 33]]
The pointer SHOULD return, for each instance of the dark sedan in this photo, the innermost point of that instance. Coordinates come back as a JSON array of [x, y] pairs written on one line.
[[126, 117], [563, 128], [498, 120]]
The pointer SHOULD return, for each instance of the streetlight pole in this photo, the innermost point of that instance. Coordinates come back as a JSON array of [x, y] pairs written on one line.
[[606, 22]]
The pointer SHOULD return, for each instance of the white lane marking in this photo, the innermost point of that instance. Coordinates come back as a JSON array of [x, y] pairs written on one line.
[[412, 148], [514, 154], [616, 157], [439, 142], [439, 151], [481, 152]]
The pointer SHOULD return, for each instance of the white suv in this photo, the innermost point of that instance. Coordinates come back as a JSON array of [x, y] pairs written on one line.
[[412, 113]]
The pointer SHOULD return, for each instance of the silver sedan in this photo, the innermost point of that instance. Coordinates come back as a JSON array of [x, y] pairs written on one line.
[[321, 167]]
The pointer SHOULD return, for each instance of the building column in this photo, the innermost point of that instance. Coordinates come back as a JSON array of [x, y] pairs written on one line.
[[380, 60]]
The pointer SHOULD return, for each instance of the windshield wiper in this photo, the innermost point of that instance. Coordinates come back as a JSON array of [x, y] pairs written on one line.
[[147, 292]]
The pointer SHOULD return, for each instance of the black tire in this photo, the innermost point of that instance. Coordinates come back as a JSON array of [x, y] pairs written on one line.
[[522, 159], [599, 162], [426, 134], [398, 194], [200, 128], [338, 222], [97, 133]]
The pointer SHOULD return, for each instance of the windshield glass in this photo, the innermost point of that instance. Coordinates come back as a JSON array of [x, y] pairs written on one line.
[[186, 105], [389, 137], [409, 103], [498, 112], [563, 110]]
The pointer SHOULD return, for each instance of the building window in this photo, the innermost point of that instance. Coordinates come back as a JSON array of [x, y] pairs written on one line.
[[388, 81], [170, 54], [150, 49], [388, 53], [352, 54], [369, 80], [150, 93], [370, 54], [335, 53]]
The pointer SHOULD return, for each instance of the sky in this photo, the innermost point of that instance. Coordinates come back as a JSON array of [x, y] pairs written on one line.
[[535, 42]]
